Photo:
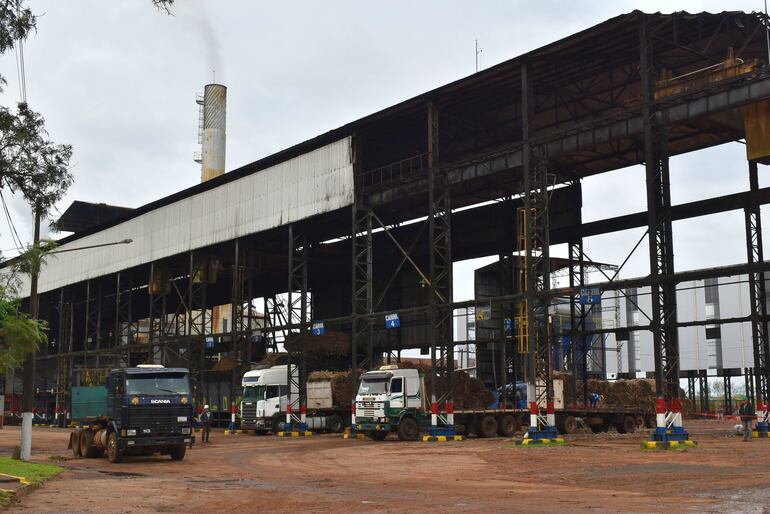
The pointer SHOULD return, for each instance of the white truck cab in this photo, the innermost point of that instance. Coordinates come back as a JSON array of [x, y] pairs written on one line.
[[264, 397], [387, 395]]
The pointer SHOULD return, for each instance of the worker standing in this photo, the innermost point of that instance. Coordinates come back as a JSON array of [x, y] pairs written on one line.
[[205, 419], [746, 412]]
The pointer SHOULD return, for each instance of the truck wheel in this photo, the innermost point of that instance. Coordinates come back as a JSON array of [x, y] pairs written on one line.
[[334, 424], [86, 442], [570, 425], [627, 425], [506, 425], [487, 426], [75, 442], [178, 452], [114, 453], [650, 421], [408, 430], [276, 424], [377, 435]]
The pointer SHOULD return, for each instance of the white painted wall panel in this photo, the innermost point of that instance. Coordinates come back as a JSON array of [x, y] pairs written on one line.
[[313, 183]]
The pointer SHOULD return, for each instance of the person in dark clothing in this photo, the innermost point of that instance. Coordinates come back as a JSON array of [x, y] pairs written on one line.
[[205, 419], [746, 412]]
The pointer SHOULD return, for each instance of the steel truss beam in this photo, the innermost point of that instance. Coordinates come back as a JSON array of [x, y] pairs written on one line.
[[536, 273], [661, 254], [93, 322], [578, 354], [758, 300], [64, 376], [440, 278], [298, 305], [157, 289]]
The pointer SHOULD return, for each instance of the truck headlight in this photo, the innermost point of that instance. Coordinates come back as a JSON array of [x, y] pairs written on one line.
[[131, 431], [186, 431]]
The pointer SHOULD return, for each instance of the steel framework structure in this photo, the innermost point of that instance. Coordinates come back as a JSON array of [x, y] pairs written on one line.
[[637, 89]]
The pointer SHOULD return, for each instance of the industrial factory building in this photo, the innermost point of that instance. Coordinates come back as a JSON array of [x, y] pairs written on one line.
[[366, 220]]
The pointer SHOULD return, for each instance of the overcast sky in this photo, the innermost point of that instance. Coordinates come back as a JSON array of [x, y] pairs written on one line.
[[118, 79]]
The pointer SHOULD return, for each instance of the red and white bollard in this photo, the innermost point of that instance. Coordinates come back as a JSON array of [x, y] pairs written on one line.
[[232, 415], [660, 413], [353, 416], [288, 415], [450, 414], [434, 415], [533, 412], [550, 414]]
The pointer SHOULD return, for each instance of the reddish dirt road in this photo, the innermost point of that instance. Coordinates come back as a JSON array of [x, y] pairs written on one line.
[[604, 472]]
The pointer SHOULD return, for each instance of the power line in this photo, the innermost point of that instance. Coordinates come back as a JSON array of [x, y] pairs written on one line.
[[20, 62], [14, 234]]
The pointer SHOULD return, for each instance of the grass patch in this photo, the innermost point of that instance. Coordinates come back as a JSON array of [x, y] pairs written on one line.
[[34, 473]]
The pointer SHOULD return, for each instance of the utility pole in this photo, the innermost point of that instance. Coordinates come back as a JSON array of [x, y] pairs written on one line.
[[28, 399], [477, 55]]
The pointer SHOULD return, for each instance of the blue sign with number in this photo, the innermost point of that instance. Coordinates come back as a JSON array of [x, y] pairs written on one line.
[[590, 296], [318, 328], [392, 320]]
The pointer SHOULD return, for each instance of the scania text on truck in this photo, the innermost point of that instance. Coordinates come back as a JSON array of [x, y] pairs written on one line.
[[140, 411]]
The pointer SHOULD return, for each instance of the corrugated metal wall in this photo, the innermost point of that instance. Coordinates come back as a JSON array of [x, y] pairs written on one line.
[[313, 183]]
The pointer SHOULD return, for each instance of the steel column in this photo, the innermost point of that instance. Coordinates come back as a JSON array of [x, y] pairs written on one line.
[[758, 301], [440, 277]]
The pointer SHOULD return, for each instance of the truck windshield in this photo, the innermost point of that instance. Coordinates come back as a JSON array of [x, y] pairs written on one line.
[[377, 386], [254, 393], [157, 384]]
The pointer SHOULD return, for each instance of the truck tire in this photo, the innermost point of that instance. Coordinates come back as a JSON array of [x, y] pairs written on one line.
[[178, 452], [408, 430], [87, 448], [75, 442], [334, 424], [276, 424], [650, 421], [114, 453], [570, 425], [377, 435], [487, 426], [506, 425], [627, 425]]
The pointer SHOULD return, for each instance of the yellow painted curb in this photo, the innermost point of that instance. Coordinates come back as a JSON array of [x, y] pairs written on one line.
[[23, 480], [441, 438]]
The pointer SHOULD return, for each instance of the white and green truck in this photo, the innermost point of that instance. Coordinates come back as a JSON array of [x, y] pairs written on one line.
[[394, 400]]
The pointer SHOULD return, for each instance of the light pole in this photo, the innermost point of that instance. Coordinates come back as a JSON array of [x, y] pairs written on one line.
[[28, 399]]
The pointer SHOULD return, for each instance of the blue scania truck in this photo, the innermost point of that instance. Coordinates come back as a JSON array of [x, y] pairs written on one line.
[[141, 410]]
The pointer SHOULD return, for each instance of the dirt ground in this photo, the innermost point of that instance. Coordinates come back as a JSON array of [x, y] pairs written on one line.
[[603, 472]]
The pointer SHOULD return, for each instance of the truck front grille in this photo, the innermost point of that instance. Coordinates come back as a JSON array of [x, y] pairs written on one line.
[[159, 419], [249, 411]]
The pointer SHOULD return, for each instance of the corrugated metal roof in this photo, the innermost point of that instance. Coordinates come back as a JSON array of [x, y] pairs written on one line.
[[596, 33]]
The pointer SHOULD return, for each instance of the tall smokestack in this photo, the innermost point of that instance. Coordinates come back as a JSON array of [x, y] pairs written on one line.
[[212, 131]]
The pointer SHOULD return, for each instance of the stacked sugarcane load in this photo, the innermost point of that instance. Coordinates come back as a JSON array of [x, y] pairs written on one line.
[[328, 344], [341, 384], [636, 393], [468, 392]]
